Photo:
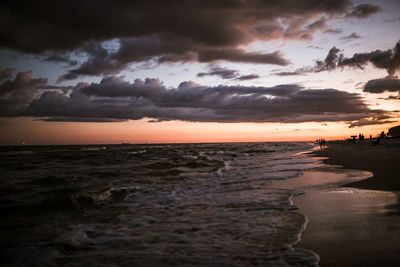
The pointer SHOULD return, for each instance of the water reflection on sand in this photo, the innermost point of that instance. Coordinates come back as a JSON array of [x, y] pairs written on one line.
[[347, 226]]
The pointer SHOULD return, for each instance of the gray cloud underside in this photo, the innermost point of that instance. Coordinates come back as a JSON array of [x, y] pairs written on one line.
[[163, 31], [114, 99], [47, 25]]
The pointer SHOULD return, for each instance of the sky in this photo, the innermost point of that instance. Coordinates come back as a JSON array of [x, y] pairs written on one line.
[[86, 72]]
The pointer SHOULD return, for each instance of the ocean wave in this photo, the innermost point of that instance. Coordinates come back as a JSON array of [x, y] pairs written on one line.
[[94, 197], [149, 205], [137, 152]]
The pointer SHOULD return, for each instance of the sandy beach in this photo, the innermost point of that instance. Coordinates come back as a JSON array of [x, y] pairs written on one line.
[[352, 221], [382, 160]]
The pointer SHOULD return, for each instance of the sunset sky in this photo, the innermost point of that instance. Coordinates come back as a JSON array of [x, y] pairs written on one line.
[[74, 72]]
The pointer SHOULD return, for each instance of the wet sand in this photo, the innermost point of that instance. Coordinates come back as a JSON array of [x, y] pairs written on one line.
[[353, 216], [352, 227], [382, 160]]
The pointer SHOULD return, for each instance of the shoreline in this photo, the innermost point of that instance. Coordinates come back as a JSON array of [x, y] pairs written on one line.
[[382, 160], [352, 205]]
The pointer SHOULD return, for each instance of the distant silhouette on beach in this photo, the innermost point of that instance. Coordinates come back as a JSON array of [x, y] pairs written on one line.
[[321, 142], [393, 132]]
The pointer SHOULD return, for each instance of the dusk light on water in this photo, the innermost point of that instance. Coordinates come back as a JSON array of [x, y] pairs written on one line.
[[200, 133]]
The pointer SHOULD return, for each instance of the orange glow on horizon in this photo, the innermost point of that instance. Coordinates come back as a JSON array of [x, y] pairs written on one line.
[[17, 130]]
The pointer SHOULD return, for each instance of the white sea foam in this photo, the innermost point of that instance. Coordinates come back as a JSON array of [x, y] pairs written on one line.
[[137, 152]]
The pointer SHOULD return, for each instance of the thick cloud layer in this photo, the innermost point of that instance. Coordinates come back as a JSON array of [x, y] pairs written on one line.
[[47, 25], [101, 61], [114, 99], [17, 94], [163, 31]]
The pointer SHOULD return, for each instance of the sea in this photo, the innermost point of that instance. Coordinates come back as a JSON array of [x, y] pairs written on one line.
[[152, 205]]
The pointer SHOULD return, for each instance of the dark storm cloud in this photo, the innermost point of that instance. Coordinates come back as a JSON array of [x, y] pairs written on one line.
[[163, 31], [363, 11], [387, 84], [382, 59], [100, 61], [116, 99], [66, 25], [387, 59], [15, 95], [218, 71], [330, 61]]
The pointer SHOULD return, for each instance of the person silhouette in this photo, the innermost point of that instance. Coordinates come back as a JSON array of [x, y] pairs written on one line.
[[321, 143]]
